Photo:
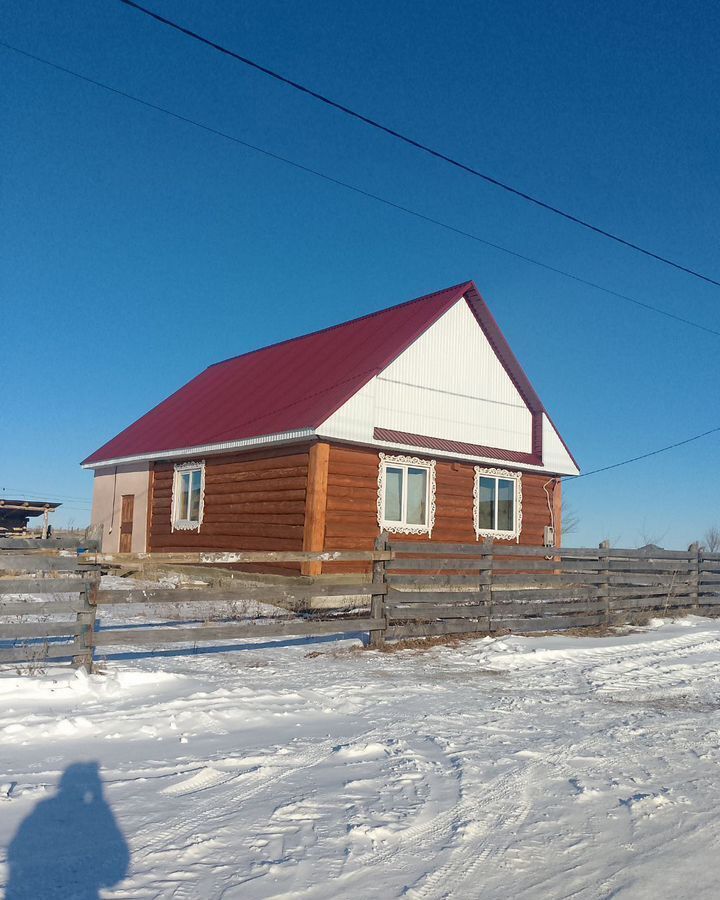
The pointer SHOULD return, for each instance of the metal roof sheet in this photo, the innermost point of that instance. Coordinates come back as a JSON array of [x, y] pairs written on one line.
[[285, 387]]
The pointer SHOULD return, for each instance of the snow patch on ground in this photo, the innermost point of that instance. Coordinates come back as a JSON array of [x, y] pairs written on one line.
[[545, 767]]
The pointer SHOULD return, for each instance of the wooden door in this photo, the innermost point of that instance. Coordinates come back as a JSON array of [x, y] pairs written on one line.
[[126, 522]]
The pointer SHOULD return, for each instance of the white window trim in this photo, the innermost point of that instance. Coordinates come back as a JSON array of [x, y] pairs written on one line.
[[187, 524], [490, 532], [406, 462]]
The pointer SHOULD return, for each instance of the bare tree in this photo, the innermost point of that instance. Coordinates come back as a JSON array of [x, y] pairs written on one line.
[[570, 519], [711, 539]]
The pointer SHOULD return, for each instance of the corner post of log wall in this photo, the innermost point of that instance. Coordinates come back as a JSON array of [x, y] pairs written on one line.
[[557, 512], [604, 577], [315, 505], [695, 563], [377, 601]]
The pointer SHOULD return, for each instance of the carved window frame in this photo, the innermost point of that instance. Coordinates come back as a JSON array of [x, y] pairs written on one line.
[[505, 474], [406, 462], [187, 524]]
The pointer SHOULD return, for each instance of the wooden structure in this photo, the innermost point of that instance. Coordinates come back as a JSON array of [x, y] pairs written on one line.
[[15, 515], [416, 590], [417, 420]]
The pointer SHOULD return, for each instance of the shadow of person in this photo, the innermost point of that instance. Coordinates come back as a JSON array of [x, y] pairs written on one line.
[[69, 846]]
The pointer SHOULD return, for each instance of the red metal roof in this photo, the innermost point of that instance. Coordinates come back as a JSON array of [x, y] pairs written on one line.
[[297, 384]]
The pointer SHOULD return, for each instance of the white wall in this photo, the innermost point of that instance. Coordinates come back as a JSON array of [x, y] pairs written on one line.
[[447, 384], [110, 483]]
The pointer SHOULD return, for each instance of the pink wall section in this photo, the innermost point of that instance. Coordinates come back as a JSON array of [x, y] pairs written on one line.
[[111, 482]]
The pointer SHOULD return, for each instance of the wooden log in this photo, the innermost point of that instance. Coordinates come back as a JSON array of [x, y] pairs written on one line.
[[438, 580], [30, 563], [45, 546], [39, 652], [545, 623], [255, 592], [232, 631], [398, 597], [542, 595], [40, 586], [316, 505], [428, 611], [655, 565], [243, 556], [432, 629], [508, 580], [438, 565], [32, 608], [10, 631]]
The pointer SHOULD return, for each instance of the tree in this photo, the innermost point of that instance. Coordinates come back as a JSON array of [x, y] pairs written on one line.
[[711, 539], [570, 519]]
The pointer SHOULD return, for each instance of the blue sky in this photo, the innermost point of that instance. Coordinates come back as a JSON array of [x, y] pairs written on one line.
[[136, 249]]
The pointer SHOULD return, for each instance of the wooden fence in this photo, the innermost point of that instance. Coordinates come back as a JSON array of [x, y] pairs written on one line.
[[49, 602], [490, 588]]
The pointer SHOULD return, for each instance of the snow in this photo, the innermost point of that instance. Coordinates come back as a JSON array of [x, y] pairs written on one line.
[[544, 767]]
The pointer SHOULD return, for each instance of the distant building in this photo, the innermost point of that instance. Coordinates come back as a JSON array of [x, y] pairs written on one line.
[[15, 515], [417, 420]]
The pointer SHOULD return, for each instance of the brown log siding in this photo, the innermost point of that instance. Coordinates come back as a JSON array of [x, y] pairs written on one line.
[[252, 502], [351, 518]]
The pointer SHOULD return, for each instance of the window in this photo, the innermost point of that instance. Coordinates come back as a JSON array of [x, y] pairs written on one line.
[[498, 503], [406, 494], [188, 496]]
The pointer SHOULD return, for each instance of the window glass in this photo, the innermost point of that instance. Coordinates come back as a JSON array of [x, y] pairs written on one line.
[[486, 504], [183, 494], [505, 505], [416, 496], [194, 504], [393, 494]]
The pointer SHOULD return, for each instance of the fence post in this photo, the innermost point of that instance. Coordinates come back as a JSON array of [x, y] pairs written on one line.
[[604, 574], [86, 621], [695, 576], [377, 601]]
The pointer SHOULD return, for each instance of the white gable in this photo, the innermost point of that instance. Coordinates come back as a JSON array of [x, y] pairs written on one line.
[[555, 455], [448, 384]]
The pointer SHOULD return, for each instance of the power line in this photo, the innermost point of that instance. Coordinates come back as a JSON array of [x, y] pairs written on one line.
[[627, 462], [417, 144], [363, 193]]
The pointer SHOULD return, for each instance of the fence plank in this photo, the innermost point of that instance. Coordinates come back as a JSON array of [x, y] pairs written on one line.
[[40, 586], [12, 630], [29, 563], [439, 564], [38, 653], [545, 623], [438, 580], [267, 593], [445, 611], [431, 548], [33, 608], [232, 631], [246, 556], [59, 543], [455, 626]]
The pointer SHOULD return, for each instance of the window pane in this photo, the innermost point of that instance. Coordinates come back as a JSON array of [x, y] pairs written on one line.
[[195, 496], [417, 496], [183, 492], [506, 504], [393, 494], [486, 503]]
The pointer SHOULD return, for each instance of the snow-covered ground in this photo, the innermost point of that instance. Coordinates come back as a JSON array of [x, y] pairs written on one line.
[[545, 767]]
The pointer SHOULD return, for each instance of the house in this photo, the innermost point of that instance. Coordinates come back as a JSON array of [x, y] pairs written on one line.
[[417, 420]]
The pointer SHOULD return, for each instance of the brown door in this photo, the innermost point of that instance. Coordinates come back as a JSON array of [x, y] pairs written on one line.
[[126, 522]]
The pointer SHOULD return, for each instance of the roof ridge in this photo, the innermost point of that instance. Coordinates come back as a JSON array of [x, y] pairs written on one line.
[[377, 312]]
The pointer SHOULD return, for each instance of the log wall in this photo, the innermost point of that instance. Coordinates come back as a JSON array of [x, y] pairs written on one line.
[[252, 502], [351, 515]]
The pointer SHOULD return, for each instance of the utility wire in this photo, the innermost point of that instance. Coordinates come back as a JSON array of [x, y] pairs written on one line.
[[627, 462], [369, 195], [417, 144]]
